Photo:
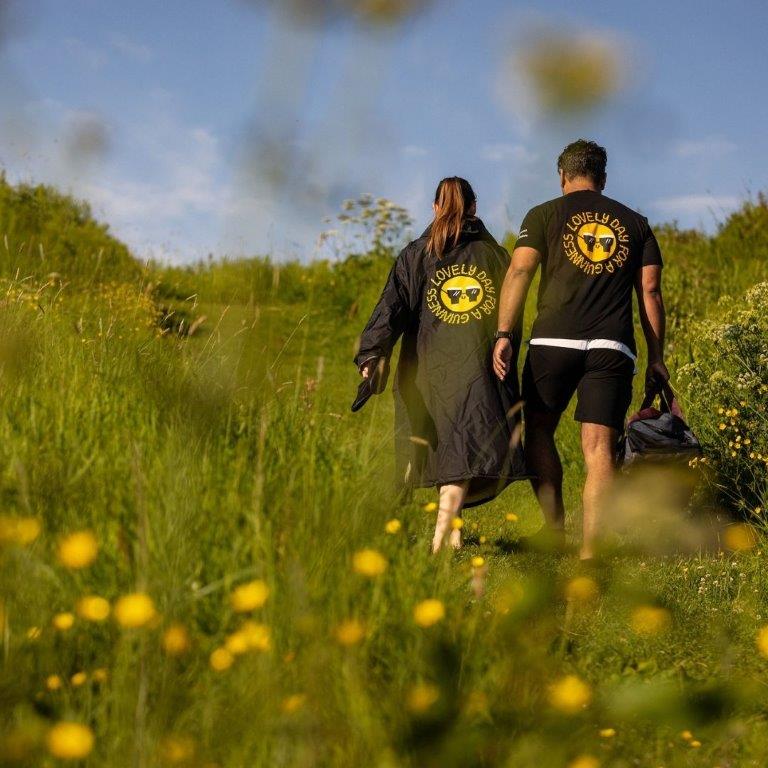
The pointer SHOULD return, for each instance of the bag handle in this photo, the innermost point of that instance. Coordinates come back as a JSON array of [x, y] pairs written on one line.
[[667, 399]]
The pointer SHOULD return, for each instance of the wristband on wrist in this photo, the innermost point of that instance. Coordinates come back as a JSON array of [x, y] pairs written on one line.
[[503, 335]]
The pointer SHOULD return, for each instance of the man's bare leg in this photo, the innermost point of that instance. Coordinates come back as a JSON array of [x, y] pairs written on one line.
[[598, 443], [451, 503], [544, 462]]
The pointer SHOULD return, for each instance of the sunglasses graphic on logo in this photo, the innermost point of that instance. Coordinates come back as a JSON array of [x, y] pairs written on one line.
[[456, 294], [606, 241]]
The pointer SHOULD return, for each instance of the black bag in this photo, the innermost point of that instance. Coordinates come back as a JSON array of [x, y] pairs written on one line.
[[374, 384], [654, 435]]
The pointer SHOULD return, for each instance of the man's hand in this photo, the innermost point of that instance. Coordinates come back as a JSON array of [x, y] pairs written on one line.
[[656, 374], [502, 358]]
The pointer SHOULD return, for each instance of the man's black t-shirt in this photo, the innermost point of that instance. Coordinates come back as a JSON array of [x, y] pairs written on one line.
[[591, 249]]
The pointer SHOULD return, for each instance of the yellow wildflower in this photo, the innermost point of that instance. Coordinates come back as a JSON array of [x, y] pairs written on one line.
[[607, 733], [257, 636], [293, 703], [175, 640], [740, 537], [350, 632], [69, 741], [19, 530], [457, 523], [478, 562], [92, 608], [428, 612], [53, 682], [177, 749], [393, 526], [584, 761], [78, 550], [686, 735], [581, 589], [134, 610], [430, 506], [249, 597], [221, 659], [422, 696], [100, 675], [369, 562], [650, 620], [78, 679], [570, 694], [63, 621], [511, 517]]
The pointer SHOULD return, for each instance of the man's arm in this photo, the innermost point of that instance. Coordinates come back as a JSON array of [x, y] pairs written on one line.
[[653, 320], [517, 281]]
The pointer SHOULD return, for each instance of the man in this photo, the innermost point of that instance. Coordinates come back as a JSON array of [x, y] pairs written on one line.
[[593, 251]]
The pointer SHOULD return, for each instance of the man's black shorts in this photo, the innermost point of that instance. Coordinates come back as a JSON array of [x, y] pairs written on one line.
[[602, 378]]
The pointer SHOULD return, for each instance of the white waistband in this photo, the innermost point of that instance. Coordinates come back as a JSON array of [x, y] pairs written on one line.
[[585, 345]]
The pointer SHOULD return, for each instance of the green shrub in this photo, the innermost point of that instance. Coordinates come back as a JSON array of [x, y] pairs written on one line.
[[727, 390]]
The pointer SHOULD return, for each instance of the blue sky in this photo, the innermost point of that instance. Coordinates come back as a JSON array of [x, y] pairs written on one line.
[[224, 128]]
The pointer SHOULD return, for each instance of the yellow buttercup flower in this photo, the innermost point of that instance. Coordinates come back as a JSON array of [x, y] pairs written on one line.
[[249, 597], [78, 550], [92, 608], [740, 537], [762, 641], [69, 741], [430, 506], [258, 637], [570, 694], [584, 761], [457, 523], [63, 621], [175, 640], [478, 562], [393, 526], [177, 749], [422, 697], [19, 530], [350, 632], [293, 703], [236, 643], [428, 612], [650, 620], [511, 517], [221, 659], [581, 589], [369, 562], [686, 735], [100, 675], [53, 682], [78, 679], [134, 610], [695, 743], [607, 733]]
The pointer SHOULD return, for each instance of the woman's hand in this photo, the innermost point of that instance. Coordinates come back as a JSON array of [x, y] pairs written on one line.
[[502, 358], [367, 367]]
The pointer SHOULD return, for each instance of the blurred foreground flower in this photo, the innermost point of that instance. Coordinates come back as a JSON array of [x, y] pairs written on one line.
[[92, 608], [78, 679], [511, 517], [650, 620], [430, 506], [63, 621], [428, 612], [249, 597], [19, 530], [175, 640], [581, 589], [740, 537], [134, 610], [570, 695], [177, 749], [78, 550], [422, 696], [221, 659], [762, 641], [350, 632], [53, 682], [369, 562], [393, 526], [293, 703], [70, 741], [584, 761]]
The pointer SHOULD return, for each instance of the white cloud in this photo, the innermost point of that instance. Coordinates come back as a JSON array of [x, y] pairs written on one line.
[[505, 153], [695, 204], [709, 147], [131, 49]]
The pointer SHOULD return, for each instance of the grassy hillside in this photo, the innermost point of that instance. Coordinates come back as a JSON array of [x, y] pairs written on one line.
[[262, 606]]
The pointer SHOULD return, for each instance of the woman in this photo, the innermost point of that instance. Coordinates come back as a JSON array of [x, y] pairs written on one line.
[[456, 425]]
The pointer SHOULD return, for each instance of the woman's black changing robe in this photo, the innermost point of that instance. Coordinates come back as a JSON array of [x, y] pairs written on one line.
[[454, 420]]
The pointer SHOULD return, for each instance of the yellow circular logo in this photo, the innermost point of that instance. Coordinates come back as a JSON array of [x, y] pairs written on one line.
[[596, 241], [461, 293]]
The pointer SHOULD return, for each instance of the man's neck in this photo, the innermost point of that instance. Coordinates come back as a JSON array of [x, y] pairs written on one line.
[[580, 184]]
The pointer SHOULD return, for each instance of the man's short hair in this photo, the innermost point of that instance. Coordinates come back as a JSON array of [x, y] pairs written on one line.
[[583, 158]]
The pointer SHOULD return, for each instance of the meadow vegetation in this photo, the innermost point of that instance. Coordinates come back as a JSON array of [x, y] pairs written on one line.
[[202, 562]]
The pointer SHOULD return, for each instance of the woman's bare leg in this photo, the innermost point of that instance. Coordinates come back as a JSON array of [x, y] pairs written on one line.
[[451, 503]]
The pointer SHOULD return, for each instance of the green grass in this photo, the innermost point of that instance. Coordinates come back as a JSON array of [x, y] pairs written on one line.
[[204, 462]]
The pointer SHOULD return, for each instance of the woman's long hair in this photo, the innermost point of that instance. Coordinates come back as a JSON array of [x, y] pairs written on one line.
[[454, 198]]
